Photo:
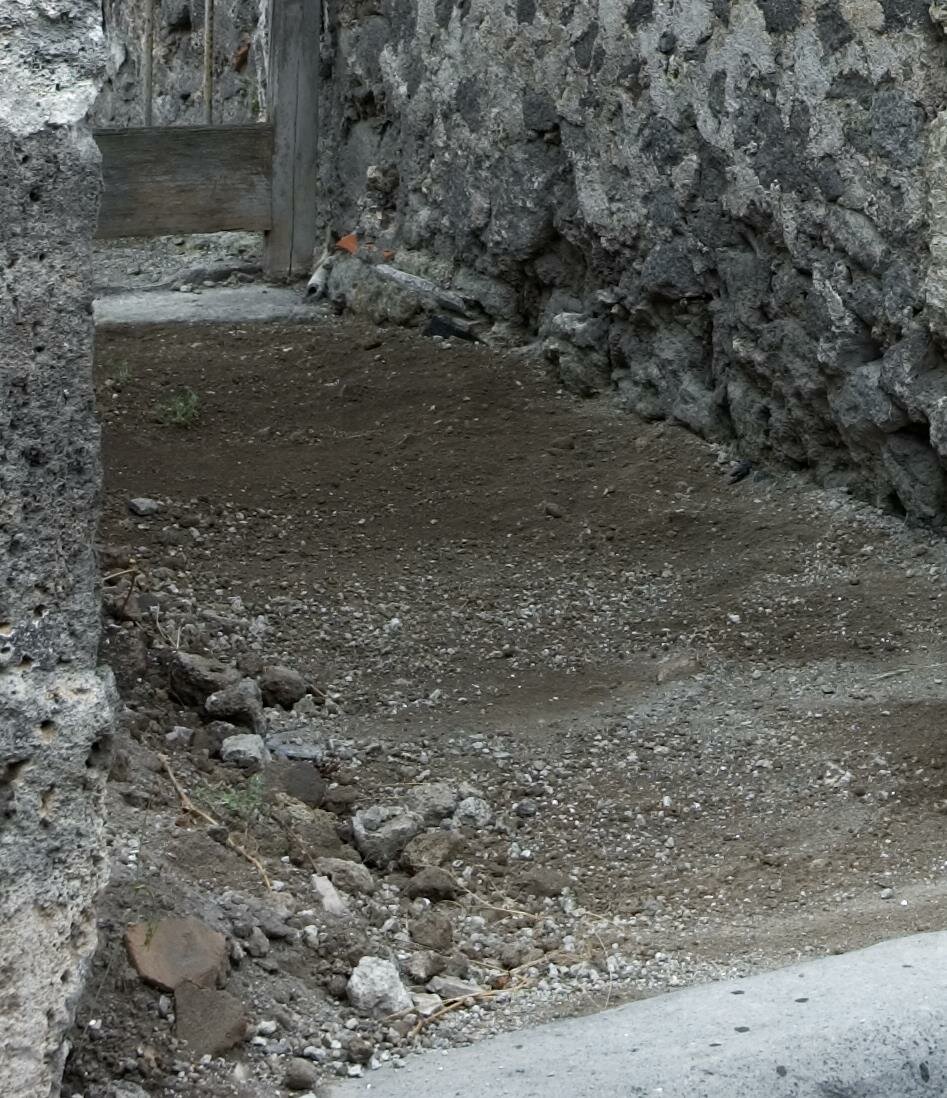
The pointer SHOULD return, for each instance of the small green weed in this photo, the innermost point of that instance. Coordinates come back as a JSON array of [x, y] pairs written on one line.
[[244, 801], [183, 409], [121, 374]]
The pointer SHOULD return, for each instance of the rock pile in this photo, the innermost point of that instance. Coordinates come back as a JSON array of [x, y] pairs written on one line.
[[306, 899]]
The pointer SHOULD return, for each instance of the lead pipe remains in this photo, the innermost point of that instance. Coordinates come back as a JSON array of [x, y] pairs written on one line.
[[209, 61], [148, 62]]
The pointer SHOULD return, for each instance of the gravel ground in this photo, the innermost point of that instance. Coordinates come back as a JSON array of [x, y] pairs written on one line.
[[171, 261], [662, 727]]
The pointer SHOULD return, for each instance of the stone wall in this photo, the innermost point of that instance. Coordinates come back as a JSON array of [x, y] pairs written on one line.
[[55, 709], [734, 213], [239, 62]]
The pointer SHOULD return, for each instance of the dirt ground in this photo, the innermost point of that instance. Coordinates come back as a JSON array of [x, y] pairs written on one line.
[[716, 708]]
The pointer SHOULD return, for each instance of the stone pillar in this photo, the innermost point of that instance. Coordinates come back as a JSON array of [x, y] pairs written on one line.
[[55, 708]]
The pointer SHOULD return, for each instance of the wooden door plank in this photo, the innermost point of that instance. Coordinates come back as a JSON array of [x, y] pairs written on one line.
[[293, 109], [185, 179]]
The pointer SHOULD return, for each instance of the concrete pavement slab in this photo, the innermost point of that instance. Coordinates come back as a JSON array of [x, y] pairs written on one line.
[[212, 305], [866, 1024]]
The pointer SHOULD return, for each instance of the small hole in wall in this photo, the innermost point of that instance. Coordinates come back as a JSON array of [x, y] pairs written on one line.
[[894, 506], [100, 754], [8, 778], [39, 611], [26, 662], [47, 730], [35, 194], [12, 771], [182, 22], [46, 804]]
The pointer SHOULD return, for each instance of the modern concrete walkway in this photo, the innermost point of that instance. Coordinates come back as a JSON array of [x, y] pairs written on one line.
[[253, 303], [869, 1024]]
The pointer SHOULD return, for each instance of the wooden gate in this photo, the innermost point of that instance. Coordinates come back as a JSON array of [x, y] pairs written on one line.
[[164, 180]]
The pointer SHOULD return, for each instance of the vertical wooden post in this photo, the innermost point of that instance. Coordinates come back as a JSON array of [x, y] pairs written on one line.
[[209, 62], [148, 63], [293, 109]]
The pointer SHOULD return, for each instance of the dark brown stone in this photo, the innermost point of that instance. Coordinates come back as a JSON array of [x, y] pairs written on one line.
[[281, 686], [433, 930], [209, 737], [433, 884], [432, 848], [195, 678], [167, 952], [209, 1021], [300, 1074], [299, 780], [341, 799]]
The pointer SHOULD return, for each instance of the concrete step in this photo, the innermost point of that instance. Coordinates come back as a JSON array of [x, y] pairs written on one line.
[[867, 1024]]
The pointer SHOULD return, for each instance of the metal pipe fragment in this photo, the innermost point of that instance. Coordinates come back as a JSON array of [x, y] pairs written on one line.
[[209, 61], [148, 63]]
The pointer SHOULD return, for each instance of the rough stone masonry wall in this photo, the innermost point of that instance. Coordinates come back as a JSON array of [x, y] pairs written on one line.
[[733, 211], [55, 709], [239, 62]]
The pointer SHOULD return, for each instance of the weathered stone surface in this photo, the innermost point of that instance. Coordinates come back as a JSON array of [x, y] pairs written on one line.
[[432, 801], [433, 930], [239, 64], [426, 1003], [298, 739], [167, 952], [382, 832], [195, 678], [125, 1090], [144, 507], [733, 215], [422, 965], [55, 709], [348, 876], [210, 1021], [299, 780], [431, 848], [300, 1074], [241, 703], [281, 686], [450, 987], [433, 884], [473, 812], [375, 988], [327, 896], [312, 833], [244, 750], [341, 799], [210, 737]]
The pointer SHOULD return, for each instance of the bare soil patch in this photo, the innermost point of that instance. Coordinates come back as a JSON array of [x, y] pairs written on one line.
[[714, 710]]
